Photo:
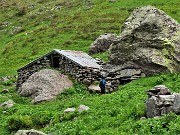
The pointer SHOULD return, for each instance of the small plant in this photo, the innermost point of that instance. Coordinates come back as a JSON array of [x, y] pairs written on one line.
[[7, 83], [19, 122]]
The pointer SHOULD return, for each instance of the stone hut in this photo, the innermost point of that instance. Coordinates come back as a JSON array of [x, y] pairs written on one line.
[[76, 63]]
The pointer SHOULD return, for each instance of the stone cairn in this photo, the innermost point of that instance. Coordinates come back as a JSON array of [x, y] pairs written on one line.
[[161, 101]]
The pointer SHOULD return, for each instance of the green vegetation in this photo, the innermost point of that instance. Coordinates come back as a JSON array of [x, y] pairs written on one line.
[[116, 113], [29, 29]]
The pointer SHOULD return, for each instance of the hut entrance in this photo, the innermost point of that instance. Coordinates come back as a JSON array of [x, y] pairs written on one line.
[[55, 62]]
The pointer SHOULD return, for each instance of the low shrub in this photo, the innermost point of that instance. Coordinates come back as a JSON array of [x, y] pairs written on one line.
[[16, 122]]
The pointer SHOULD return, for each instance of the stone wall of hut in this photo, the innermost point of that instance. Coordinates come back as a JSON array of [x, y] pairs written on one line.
[[82, 74], [25, 73]]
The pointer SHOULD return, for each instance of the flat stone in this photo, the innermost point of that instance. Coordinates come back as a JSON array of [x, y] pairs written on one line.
[[69, 110], [4, 91], [7, 104], [94, 88], [83, 108], [29, 132], [167, 99]]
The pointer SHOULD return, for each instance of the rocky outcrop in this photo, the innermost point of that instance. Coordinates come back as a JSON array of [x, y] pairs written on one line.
[[149, 41], [29, 132], [44, 85], [102, 43], [161, 101]]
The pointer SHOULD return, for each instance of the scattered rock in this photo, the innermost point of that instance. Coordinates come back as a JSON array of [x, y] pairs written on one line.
[[143, 118], [7, 104], [4, 91], [17, 30], [87, 81], [94, 88], [4, 112], [102, 43], [44, 85], [83, 108], [69, 110], [149, 41], [29, 132]]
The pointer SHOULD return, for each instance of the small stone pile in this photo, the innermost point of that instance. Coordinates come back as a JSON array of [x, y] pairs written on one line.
[[161, 101]]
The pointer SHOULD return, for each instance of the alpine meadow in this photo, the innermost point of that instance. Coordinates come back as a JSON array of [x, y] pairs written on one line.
[[32, 28]]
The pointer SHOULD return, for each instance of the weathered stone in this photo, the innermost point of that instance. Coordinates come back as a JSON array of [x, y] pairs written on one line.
[[29, 132], [149, 41], [165, 110], [7, 104], [4, 91], [102, 43], [87, 81], [44, 85], [151, 107], [157, 104], [167, 100], [83, 108], [143, 118], [160, 90], [94, 88], [69, 110], [176, 105]]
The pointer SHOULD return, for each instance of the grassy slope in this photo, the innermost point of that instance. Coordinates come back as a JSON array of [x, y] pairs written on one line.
[[72, 27], [116, 113]]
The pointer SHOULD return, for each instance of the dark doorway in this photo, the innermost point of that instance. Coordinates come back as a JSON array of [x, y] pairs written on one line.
[[55, 62]]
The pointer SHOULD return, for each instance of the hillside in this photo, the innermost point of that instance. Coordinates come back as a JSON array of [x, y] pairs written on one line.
[[30, 29], [111, 114]]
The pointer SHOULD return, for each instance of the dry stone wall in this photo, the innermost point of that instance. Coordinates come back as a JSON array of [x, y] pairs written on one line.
[[113, 74], [82, 74], [25, 73]]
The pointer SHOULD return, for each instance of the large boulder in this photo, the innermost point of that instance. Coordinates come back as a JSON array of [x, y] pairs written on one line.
[[45, 85], [149, 41], [102, 43]]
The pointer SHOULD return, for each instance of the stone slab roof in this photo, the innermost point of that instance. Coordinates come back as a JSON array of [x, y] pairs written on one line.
[[79, 57]]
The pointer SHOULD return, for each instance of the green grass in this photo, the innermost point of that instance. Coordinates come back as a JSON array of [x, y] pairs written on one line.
[[76, 27], [72, 27], [116, 113]]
